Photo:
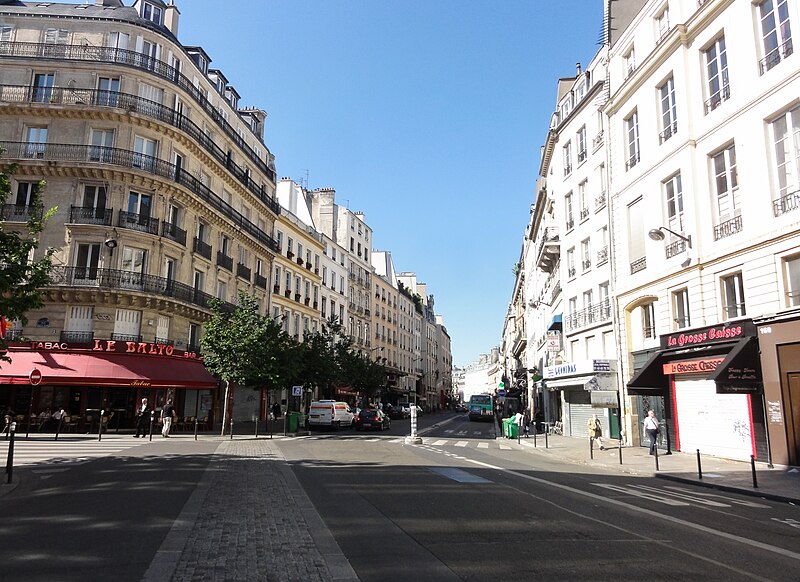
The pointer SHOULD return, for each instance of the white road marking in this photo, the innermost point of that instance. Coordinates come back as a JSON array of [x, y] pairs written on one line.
[[439, 443], [505, 448], [483, 445], [692, 498], [643, 495], [462, 443], [449, 430], [718, 496], [790, 522]]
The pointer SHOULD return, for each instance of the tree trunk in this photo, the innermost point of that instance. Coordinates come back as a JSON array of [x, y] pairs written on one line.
[[225, 407]]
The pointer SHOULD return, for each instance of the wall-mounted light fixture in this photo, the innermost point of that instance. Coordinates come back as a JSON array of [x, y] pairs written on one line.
[[658, 234], [535, 303], [111, 243]]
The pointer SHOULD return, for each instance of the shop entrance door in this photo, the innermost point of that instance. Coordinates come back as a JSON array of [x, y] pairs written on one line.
[[793, 424]]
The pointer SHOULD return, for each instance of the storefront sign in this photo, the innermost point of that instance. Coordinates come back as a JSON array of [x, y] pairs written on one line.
[[692, 366], [577, 368], [774, 412], [708, 335], [604, 399], [113, 346], [553, 341]]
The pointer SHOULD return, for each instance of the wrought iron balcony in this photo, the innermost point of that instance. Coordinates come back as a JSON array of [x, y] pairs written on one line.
[[570, 223], [786, 203], [243, 271], [668, 132], [602, 255], [163, 341], [261, 281], [173, 232], [224, 261], [776, 56], [584, 213], [675, 248], [638, 265], [596, 313], [717, 98], [128, 58], [20, 213], [598, 140], [600, 201], [728, 228], [140, 222], [571, 272], [89, 215], [632, 161], [77, 337], [81, 154], [582, 156], [202, 248], [568, 169], [587, 263], [123, 337], [112, 279]]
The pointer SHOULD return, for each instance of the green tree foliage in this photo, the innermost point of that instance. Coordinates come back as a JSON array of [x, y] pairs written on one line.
[[21, 277]]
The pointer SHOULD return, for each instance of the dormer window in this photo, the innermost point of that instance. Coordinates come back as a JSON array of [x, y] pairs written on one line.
[[153, 13]]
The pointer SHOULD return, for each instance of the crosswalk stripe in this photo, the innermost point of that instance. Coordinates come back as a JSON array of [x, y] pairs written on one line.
[[439, 443], [505, 448], [462, 443], [483, 445]]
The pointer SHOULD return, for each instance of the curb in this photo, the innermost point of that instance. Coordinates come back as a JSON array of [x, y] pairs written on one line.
[[729, 488]]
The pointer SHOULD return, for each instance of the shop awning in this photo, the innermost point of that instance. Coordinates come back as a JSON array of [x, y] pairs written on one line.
[[740, 371], [555, 323], [87, 369], [650, 377]]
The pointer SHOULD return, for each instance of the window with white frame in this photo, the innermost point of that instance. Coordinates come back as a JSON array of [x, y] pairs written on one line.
[[222, 290], [581, 140], [662, 23], [26, 192], [726, 190], [733, 303], [152, 13], [36, 138], [785, 132], [673, 194], [6, 33], [583, 201], [632, 139], [648, 315], [629, 62], [571, 262], [776, 33], [43, 87], [586, 254], [680, 309], [791, 266], [568, 211], [636, 247], [588, 298], [277, 280], [717, 81], [669, 119], [567, 152]]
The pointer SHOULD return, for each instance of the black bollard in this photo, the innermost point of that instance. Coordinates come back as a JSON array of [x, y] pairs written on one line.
[[256, 428], [591, 449], [195, 428], [535, 430], [12, 428], [100, 428], [620, 450], [753, 470], [546, 442], [656, 455], [152, 421], [699, 466], [231, 428]]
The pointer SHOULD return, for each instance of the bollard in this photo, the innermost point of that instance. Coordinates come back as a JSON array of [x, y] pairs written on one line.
[[591, 449], [546, 442], [152, 420], [58, 426], [656, 455], [620, 450], [519, 429], [753, 470], [699, 466], [195, 428], [12, 428], [535, 430], [256, 428], [231, 428], [100, 428]]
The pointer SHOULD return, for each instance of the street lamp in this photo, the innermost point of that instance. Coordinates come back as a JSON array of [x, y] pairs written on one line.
[[657, 234]]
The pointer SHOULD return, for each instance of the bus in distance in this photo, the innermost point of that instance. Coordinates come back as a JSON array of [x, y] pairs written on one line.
[[481, 407]]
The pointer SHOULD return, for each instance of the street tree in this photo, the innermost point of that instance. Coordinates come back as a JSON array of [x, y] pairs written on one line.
[[243, 347], [22, 277]]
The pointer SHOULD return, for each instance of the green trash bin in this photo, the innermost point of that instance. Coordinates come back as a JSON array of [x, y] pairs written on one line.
[[292, 421], [506, 430], [513, 429]]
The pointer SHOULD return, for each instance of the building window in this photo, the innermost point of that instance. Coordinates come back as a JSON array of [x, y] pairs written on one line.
[[733, 304], [222, 290], [680, 308], [786, 137], [36, 138], [567, 154], [629, 61], [586, 254], [775, 32], [25, 193], [673, 193], [571, 262], [649, 320], [669, 119], [717, 74], [581, 139], [568, 211], [792, 274], [662, 23], [636, 248], [726, 191], [43, 87], [194, 336], [152, 13], [632, 138], [583, 201]]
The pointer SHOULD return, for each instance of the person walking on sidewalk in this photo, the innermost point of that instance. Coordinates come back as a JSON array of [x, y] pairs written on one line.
[[651, 430], [142, 417], [167, 414], [596, 431]]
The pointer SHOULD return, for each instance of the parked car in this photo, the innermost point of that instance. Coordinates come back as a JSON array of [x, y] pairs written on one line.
[[400, 411], [461, 407], [330, 414], [372, 419]]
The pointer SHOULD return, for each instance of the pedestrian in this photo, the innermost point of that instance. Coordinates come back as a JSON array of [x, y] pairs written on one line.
[[519, 420], [142, 417], [595, 431], [167, 415], [651, 429], [276, 410]]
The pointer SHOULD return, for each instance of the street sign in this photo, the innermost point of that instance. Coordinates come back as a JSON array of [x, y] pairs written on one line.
[[501, 385], [297, 390], [35, 377]]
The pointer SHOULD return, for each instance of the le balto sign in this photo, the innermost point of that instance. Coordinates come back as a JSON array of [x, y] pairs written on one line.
[[114, 346]]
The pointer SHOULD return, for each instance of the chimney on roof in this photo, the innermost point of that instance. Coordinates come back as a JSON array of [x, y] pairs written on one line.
[[577, 69], [171, 14]]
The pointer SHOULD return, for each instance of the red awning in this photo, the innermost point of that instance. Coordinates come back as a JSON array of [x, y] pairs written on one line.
[[88, 369]]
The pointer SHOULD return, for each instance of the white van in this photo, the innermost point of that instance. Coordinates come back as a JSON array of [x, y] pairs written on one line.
[[329, 413]]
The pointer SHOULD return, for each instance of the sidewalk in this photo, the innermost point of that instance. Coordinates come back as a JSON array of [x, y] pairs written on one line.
[[779, 483]]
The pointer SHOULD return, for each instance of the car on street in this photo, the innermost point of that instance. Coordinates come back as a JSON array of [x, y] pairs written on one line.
[[372, 419], [400, 411]]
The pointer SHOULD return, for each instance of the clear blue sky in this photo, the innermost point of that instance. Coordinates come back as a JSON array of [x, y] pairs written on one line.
[[426, 115]]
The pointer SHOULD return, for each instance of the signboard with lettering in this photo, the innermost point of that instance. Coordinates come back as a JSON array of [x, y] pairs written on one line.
[[774, 413], [578, 368], [553, 341], [114, 346], [708, 335], [704, 366]]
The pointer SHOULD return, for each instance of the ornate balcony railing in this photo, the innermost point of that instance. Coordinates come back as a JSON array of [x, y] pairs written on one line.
[[89, 215], [173, 232], [587, 263], [786, 203], [202, 248], [134, 160], [261, 281], [632, 161], [596, 313], [77, 337], [597, 141], [728, 228], [602, 255], [225, 261], [638, 265], [114, 279], [243, 271], [717, 98], [570, 223], [668, 132], [163, 341], [140, 222], [136, 60], [675, 248], [584, 213], [555, 292], [19, 213], [600, 201], [776, 56], [126, 337], [571, 272]]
